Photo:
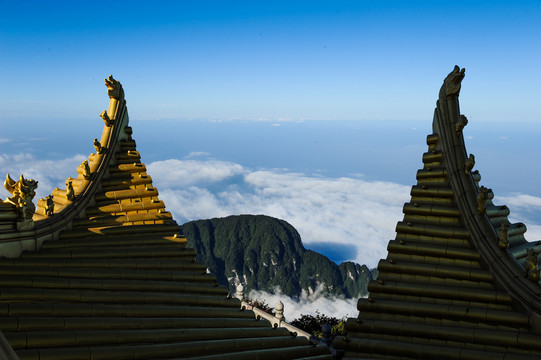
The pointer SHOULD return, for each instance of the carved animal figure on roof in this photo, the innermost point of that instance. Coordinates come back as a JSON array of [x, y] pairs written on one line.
[[106, 118], [86, 170], [114, 88], [22, 191], [530, 265], [460, 124], [98, 147], [482, 198], [469, 164], [70, 193], [452, 83], [503, 239], [49, 208]]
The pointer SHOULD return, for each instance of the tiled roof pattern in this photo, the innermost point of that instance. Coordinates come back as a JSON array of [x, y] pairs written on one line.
[[120, 283], [445, 290], [140, 296]]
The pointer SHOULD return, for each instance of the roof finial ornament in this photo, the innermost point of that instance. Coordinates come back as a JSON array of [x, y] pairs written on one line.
[[114, 88], [451, 84], [23, 192]]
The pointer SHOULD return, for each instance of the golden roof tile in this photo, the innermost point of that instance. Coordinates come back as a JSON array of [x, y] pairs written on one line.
[[107, 276]]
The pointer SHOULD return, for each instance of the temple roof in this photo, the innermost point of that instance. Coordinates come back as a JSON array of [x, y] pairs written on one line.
[[459, 281], [100, 272]]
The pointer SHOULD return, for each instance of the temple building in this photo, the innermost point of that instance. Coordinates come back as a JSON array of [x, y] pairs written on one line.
[[459, 281], [98, 270]]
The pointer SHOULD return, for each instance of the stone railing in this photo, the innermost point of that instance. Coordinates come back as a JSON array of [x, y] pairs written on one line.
[[277, 320]]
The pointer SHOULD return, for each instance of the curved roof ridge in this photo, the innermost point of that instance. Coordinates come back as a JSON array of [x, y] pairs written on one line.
[[119, 281], [449, 286], [491, 232], [111, 189], [115, 177]]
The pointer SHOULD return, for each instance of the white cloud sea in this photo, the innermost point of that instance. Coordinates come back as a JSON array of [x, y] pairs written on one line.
[[344, 212], [335, 211]]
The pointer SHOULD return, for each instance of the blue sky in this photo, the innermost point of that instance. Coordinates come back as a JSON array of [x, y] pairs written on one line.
[[312, 111], [334, 60]]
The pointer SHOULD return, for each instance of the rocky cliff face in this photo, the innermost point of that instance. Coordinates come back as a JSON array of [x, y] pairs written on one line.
[[264, 253]]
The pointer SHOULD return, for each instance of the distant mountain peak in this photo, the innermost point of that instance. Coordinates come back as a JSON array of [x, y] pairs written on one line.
[[265, 253]]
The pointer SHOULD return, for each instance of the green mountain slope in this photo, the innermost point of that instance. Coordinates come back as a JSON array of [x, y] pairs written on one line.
[[263, 253]]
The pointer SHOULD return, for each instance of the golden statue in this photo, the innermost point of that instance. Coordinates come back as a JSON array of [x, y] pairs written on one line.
[[106, 118], [23, 192], [98, 147], [49, 208], [70, 193], [86, 170]]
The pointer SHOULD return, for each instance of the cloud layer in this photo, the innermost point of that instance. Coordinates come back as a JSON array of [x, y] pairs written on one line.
[[352, 218], [48, 173], [343, 211], [524, 208], [347, 217], [177, 174], [308, 304]]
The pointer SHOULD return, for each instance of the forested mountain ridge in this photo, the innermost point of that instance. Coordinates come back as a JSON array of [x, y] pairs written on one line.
[[264, 253]]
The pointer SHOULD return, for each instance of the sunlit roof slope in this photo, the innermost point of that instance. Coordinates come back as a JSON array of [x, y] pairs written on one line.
[[104, 274], [459, 281]]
